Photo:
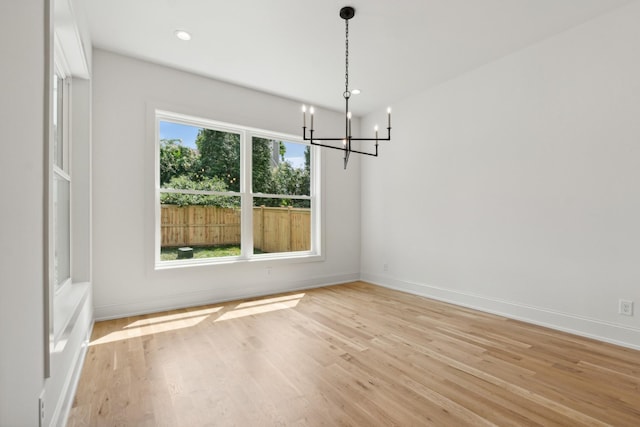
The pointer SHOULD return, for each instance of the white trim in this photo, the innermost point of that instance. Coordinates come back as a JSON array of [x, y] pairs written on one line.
[[246, 135], [281, 196], [279, 257], [47, 233], [69, 36], [246, 200], [190, 120], [566, 322], [61, 173], [200, 192], [200, 298], [61, 64]]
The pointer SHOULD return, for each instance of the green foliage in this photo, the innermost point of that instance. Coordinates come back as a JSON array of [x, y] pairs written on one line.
[[205, 184], [261, 159], [282, 178], [307, 159], [176, 160], [220, 156], [287, 180], [215, 166]]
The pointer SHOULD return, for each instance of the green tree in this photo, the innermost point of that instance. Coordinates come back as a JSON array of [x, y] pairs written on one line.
[[262, 164], [307, 158], [176, 160], [306, 177], [204, 184], [220, 156], [290, 181]]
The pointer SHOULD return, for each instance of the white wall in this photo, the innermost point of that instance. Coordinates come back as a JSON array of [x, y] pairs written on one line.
[[21, 212], [124, 89], [514, 188], [22, 244]]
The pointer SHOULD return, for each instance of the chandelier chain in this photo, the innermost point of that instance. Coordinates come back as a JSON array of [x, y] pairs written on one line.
[[346, 58]]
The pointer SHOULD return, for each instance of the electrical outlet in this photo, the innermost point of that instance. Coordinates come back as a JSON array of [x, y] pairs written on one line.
[[41, 408], [268, 271], [385, 267], [625, 307]]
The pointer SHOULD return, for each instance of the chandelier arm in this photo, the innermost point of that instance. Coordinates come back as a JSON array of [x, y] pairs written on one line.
[[365, 153], [306, 138], [329, 146], [352, 139], [345, 149], [388, 138]]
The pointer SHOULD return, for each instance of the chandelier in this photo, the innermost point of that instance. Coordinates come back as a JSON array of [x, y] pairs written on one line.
[[346, 13]]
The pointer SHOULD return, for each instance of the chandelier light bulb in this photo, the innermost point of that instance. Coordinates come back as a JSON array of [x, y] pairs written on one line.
[[311, 112]]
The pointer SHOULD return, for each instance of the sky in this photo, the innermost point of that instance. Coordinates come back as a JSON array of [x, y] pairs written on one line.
[[187, 134]]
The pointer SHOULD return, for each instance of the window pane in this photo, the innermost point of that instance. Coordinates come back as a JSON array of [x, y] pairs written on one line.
[[194, 226], [281, 228], [280, 167], [58, 122], [62, 226], [193, 158]]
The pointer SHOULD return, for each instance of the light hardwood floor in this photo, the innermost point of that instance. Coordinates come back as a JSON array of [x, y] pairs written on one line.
[[353, 354]]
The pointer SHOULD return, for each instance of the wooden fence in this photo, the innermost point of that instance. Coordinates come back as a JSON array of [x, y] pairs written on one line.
[[274, 229]]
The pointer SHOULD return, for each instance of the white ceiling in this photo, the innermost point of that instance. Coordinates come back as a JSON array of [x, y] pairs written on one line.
[[295, 48]]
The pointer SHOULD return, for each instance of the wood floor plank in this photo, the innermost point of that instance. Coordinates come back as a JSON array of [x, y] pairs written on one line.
[[349, 355]]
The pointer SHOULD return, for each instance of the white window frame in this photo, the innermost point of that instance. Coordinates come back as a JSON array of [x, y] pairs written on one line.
[[246, 195], [61, 69]]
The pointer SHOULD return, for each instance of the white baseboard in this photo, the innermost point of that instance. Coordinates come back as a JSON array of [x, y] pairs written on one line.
[[577, 325], [214, 296]]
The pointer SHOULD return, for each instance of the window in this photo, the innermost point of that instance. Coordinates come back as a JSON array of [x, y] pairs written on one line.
[[61, 178], [230, 193]]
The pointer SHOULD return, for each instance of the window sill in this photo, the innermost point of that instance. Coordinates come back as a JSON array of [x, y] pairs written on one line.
[[285, 258], [66, 306]]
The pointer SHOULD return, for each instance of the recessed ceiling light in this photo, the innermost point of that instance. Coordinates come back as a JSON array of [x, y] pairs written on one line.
[[356, 91], [182, 35]]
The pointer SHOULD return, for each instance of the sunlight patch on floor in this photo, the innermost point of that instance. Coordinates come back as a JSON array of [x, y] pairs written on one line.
[[265, 301], [156, 325], [175, 316], [265, 307], [175, 321]]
